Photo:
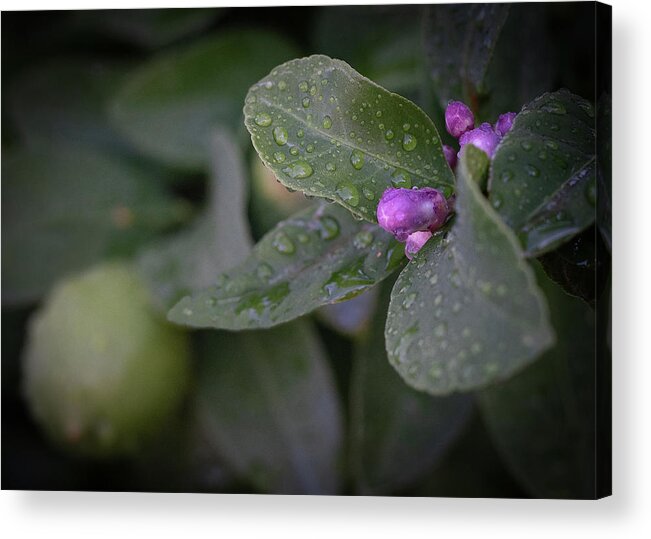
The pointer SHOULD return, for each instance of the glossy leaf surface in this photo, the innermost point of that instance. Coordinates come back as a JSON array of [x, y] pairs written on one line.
[[466, 311], [326, 130], [542, 179], [321, 255]]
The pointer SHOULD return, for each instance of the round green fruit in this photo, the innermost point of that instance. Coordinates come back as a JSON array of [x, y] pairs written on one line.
[[102, 371]]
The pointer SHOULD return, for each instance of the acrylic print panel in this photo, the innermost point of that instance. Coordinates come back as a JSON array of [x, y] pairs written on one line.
[[308, 250]]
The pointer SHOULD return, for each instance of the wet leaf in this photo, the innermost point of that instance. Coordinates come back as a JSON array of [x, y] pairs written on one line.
[[328, 131], [459, 40], [466, 311], [62, 211], [397, 433], [267, 403], [542, 420], [319, 256], [169, 106], [542, 179], [217, 241], [575, 266]]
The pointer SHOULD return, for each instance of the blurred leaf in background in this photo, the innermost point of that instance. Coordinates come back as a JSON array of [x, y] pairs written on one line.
[[168, 106], [269, 406], [215, 242], [543, 419], [397, 434], [64, 210]]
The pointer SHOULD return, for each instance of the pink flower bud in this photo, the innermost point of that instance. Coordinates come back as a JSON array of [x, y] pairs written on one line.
[[504, 123], [450, 155], [458, 118], [415, 242], [404, 211], [483, 137]]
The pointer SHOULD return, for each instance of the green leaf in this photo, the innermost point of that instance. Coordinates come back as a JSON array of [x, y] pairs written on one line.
[[543, 419], [268, 404], [63, 103], [150, 28], [320, 256], [326, 130], [217, 241], [466, 311], [459, 40], [542, 179], [169, 106], [397, 433], [62, 211], [575, 266]]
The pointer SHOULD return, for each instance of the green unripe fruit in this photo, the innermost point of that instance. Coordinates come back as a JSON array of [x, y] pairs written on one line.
[[102, 371]]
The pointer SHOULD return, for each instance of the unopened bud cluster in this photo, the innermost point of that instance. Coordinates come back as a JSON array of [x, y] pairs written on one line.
[[412, 215], [460, 123]]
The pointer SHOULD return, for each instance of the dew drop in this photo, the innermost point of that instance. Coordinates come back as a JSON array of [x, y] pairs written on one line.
[[264, 271], [327, 122], [293, 150], [309, 148], [306, 102], [532, 171], [330, 167], [554, 107], [357, 159], [283, 244], [298, 170], [282, 85], [303, 86], [409, 300], [409, 142], [389, 134], [368, 193], [363, 239], [280, 135], [401, 178], [279, 157], [263, 119], [506, 176], [406, 127], [348, 193], [328, 227]]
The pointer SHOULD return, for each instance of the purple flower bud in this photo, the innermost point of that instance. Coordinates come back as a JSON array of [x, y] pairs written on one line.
[[504, 123], [458, 118], [404, 211], [450, 155], [415, 242], [483, 138]]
